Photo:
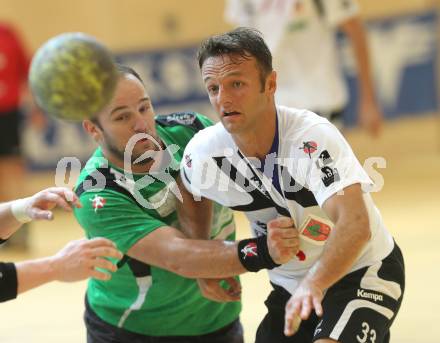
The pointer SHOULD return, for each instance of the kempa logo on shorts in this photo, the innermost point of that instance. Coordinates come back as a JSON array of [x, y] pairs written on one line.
[[367, 295]]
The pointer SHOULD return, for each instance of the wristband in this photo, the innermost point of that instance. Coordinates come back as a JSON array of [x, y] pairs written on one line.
[[254, 254], [18, 209], [8, 281]]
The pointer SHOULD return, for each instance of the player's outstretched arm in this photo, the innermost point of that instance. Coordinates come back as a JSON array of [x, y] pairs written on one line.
[[169, 249], [77, 261], [36, 207]]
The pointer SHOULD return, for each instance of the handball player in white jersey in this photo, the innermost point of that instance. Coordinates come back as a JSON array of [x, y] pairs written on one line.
[[347, 281]]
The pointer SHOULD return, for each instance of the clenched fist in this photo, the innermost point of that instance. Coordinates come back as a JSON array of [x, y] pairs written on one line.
[[282, 239]]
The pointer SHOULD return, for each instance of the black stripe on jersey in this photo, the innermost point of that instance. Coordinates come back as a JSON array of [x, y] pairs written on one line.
[[186, 176], [138, 268], [303, 196], [260, 201]]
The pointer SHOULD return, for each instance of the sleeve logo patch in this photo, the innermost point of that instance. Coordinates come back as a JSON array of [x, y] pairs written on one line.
[[98, 202], [188, 161], [324, 159], [185, 119], [309, 148], [331, 175]]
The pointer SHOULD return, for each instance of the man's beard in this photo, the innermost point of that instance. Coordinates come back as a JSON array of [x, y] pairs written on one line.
[[120, 154]]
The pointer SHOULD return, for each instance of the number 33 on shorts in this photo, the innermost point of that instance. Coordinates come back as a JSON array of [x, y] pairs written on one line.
[[368, 334]]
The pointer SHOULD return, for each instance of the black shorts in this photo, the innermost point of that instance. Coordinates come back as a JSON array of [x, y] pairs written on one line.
[[99, 331], [359, 308], [9, 133]]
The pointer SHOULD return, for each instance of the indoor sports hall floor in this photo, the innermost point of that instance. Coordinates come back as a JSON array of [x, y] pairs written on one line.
[[409, 202]]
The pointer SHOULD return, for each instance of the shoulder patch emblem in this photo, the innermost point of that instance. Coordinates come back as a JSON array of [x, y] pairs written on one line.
[[98, 202], [309, 148]]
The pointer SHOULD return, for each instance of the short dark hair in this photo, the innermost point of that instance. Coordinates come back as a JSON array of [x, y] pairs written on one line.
[[126, 70], [243, 41]]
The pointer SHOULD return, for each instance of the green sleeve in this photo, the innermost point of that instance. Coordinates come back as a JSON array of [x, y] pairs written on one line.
[[114, 216]]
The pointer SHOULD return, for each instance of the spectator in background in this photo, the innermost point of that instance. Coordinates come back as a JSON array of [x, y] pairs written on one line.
[[301, 35], [14, 64]]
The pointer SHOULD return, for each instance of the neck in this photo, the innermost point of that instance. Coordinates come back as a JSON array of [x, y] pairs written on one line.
[[258, 141]]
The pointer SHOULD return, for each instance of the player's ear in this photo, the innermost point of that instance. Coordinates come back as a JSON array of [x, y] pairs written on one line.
[[271, 82], [92, 127]]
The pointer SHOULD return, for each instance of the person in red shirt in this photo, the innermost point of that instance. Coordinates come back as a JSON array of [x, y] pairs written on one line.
[[14, 65]]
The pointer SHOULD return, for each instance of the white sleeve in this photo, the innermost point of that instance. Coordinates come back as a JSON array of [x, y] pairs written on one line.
[[187, 172], [338, 11], [330, 163], [199, 171]]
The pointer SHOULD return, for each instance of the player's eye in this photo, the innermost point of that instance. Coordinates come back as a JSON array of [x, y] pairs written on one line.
[[237, 84], [212, 89], [122, 116], [144, 108]]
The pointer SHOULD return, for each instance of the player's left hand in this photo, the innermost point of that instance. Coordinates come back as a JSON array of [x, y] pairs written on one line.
[[370, 117], [39, 205], [212, 289], [306, 297]]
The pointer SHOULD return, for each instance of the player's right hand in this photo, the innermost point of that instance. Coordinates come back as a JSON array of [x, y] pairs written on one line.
[[282, 239]]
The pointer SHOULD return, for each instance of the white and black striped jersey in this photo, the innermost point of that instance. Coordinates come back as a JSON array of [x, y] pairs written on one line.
[[312, 162]]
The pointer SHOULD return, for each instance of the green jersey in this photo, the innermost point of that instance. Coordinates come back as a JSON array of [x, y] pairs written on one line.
[[139, 297]]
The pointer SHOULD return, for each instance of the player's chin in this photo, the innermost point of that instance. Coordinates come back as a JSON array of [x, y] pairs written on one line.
[[232, 128]]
